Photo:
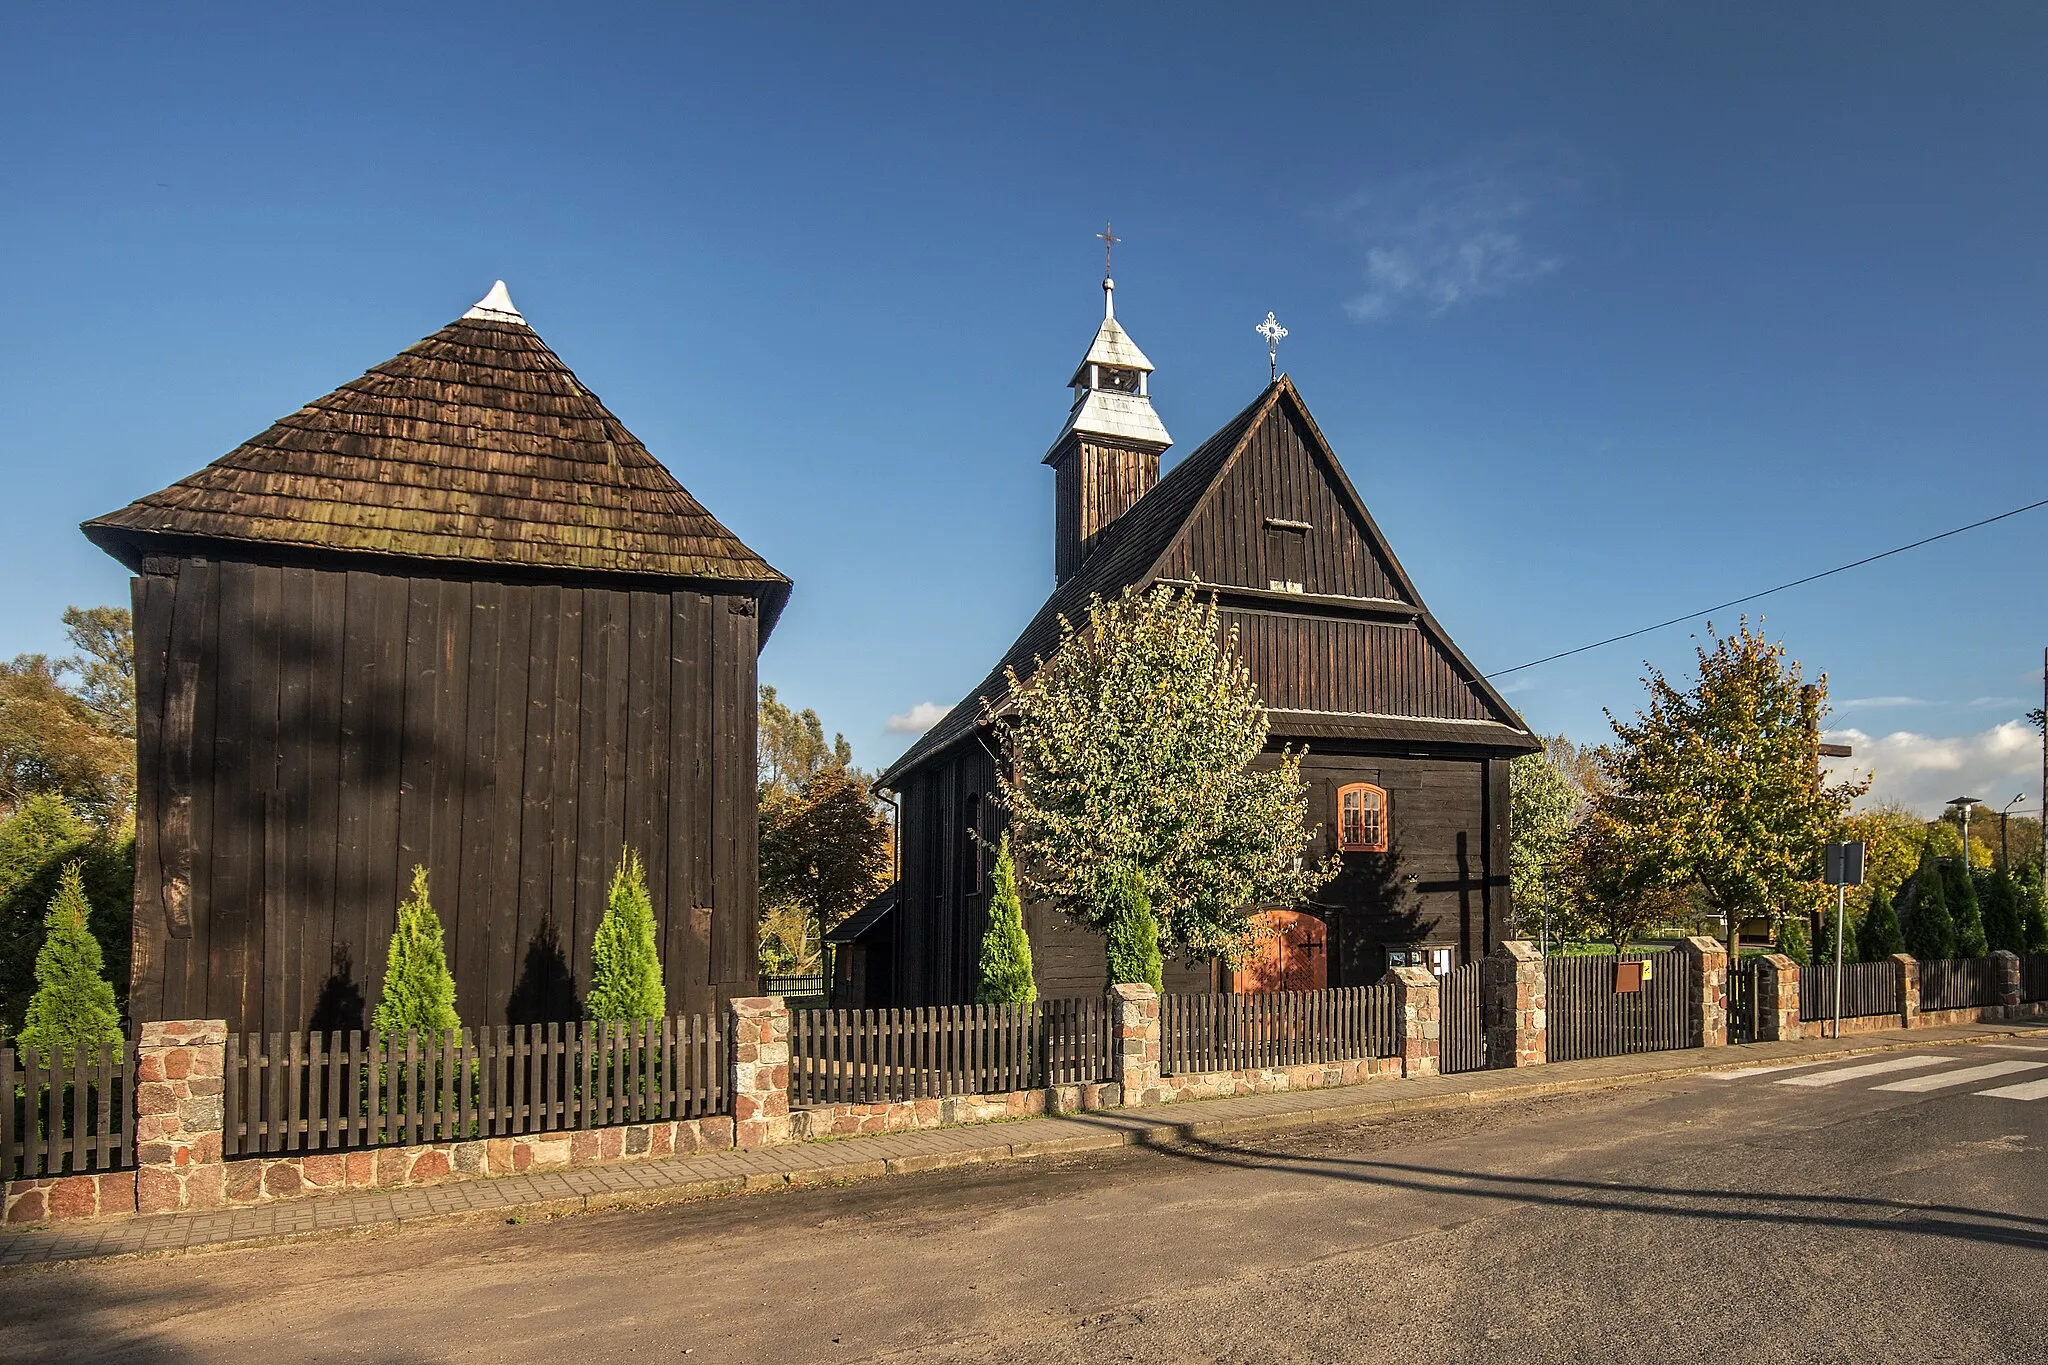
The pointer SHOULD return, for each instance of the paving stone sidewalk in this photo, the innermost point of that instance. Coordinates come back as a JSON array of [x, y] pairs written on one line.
[[639, 1184]]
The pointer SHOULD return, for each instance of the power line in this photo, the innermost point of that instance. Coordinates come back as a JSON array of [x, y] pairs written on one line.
[[1738, 601]]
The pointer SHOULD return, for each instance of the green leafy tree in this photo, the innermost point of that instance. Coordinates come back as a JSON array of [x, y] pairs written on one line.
[[2000, 900], [1544, 802], [625, 963], [1006, 976], [1134, 935], [37, 842], [1609, 889], [419, 991], [1930, 929], [1724, 785], [792, 745], [1141, 745], [74, 1002], [2033, 914], [1959, 889], [1878, 936], [67, 726]]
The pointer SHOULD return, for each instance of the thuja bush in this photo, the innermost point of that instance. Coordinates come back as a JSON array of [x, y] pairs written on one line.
[[1878, 936], [419, 991], [1930, 932], [1134, 935], [625, 964], [1006, 976], [74, 1002], [1959, 889]]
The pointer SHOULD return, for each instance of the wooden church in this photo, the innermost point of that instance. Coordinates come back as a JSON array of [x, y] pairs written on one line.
[[1408, 746], [452, 615]]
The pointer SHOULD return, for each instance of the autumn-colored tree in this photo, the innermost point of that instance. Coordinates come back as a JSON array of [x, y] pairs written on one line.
[[824, 854], [1892, 837], [1723, 782], [1140, 746], [73, 739]]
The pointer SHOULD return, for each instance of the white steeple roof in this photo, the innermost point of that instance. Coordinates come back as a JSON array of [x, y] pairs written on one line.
[[495, 306], [1108, 410]]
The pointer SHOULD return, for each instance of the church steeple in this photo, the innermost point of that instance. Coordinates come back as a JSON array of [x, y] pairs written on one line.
[[1107, 455]]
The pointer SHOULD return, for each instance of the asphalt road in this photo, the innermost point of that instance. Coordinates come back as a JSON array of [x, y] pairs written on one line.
[[1759, 1218]]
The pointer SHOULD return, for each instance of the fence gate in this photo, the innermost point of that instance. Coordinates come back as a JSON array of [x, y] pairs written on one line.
[[1590, 1013], [1464, 1031], [1742, 1002]]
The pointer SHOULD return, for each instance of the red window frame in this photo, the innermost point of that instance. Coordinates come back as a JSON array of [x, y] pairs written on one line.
[[1361, 824]]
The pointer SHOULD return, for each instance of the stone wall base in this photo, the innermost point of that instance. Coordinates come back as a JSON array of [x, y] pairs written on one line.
[[1885, 1023], [52, 1199], [902, 1116], [1218, 1085]]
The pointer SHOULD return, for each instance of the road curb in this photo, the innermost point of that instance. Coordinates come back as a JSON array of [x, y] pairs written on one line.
[[1136, 1128]]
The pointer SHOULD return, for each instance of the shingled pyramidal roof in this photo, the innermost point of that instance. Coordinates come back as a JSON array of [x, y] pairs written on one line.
[[475, 446]]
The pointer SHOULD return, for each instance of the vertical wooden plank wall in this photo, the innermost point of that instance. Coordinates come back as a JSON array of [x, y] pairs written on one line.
[[306, 735]]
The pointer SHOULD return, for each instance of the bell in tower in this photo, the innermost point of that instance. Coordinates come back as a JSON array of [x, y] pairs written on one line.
[[1107, 455]]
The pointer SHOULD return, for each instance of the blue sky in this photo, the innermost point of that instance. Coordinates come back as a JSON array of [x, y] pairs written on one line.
[[1610, 310]]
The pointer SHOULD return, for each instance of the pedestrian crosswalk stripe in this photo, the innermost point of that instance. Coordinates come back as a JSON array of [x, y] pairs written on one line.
[[1852, 1073], [1774, 1068], [2025, 1090], [2017, 1047], [1942, 1080]]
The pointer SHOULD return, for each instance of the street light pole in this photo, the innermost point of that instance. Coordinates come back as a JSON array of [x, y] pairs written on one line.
[[2004, 848]]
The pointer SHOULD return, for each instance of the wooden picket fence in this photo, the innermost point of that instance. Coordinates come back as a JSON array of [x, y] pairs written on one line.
[[1958, 983], [1586, 1017], [1282, 1028], [890, 1055], [66, 1111], [2034, 977], [303, 1092], [1868, 988]]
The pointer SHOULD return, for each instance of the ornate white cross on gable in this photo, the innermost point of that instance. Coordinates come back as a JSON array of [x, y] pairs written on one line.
[[1272, 331]]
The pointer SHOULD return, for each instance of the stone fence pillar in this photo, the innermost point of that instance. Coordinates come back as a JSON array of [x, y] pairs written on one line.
[[1707, 1011], [1777, 998], [1418, 1002], [1512, 985], [759, 1026], [2005, 971], [1134, 1051], [1909, 989], [179, 1069]]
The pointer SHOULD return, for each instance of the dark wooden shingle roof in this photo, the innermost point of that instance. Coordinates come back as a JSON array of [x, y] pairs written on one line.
[[476, 446]]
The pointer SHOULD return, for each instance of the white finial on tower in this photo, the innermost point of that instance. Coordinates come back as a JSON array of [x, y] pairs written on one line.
[[495, 306], [1272, 331], [1109, 241]]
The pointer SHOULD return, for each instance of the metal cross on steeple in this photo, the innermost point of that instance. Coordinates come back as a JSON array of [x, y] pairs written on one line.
[[1272, 331], [1109, 241]]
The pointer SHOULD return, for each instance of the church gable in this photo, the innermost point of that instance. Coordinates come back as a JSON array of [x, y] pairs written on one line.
[[1282, 515]]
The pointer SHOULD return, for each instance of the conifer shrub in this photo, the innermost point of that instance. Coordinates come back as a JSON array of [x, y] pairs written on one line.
[[1959, 889], [1824, 950], [1795, 941], [1133, 934], [1930, 932], [74, 1002], [2001, 901], [2033, 913], [625, 963], [1878, 936], [419, 991], [1006, 976]]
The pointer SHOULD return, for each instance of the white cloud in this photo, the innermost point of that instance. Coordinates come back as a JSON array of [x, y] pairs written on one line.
[[1437, 240], [1875, 703], [1922, 771], [917, 719]]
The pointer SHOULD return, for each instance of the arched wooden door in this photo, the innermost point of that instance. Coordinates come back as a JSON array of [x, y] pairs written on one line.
[[1293, 954]]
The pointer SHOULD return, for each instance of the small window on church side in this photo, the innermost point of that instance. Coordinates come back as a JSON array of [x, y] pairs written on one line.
[[1361, 818], [1286, 557]]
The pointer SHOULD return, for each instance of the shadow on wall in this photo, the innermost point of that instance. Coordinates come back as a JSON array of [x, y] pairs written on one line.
[[546, 990], [1371, 908], [339, 1008]]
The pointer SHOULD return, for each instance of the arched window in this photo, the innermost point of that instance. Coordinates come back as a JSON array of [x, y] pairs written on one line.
[[1361, 818]]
